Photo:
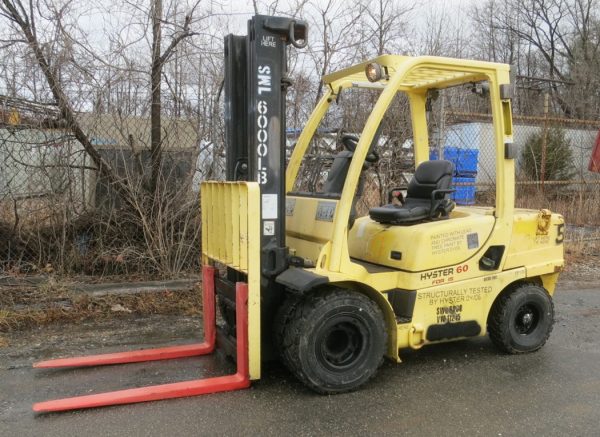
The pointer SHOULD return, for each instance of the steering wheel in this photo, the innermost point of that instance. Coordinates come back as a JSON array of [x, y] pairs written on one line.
[[350, 141]]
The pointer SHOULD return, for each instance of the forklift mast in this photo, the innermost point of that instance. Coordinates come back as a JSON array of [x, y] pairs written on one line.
[[255, 86], [255, 124], [255, 90]]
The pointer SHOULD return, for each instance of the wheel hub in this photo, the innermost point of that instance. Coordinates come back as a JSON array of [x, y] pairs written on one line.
[[341, 345], [527, 319]]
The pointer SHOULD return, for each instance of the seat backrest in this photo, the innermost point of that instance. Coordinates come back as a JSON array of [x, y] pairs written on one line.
[[429, 176], [338, 172]]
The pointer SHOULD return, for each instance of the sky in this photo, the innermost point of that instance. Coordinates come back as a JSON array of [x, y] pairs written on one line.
[[454, 8], [237, 12], [99, 21]]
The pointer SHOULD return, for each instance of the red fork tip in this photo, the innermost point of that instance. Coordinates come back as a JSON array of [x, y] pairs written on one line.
[[44, 407], [38, 408]]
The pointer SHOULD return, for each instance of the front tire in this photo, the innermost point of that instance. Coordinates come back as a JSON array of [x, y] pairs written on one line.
[[283, 318], [334, 341], [521, 321]]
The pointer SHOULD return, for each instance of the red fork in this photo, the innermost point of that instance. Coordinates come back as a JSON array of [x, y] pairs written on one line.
[[194, 387]]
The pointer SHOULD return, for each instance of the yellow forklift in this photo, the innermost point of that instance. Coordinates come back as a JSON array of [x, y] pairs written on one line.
[[297, 276]]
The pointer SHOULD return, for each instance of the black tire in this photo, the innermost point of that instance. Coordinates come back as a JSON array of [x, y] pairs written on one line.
[[282, 319], [334, 341], [521, 321]]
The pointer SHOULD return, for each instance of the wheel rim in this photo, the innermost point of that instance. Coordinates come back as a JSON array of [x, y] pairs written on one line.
[[527, 319], [341, 344]]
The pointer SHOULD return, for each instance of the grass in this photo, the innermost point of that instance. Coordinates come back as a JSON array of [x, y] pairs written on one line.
[[582, 248], [50, 302], [578, 206]]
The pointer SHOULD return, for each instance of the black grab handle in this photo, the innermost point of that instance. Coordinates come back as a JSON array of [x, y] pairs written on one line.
[[296, 31]]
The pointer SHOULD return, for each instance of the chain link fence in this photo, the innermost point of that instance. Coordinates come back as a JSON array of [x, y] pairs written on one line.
[[58, 211], [551, 165]]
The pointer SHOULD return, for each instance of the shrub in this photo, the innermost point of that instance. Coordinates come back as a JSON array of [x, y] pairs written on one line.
[[559, 157]]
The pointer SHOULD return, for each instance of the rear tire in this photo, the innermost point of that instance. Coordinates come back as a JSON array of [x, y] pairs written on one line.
[[521, 321], [334, 340]]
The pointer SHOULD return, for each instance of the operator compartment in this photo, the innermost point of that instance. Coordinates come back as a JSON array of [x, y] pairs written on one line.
[[425, 245]]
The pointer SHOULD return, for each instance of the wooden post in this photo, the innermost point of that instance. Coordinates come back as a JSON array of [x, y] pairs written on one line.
[[544, 141]]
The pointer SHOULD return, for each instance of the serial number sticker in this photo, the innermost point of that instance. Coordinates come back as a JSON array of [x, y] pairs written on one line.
[[290, 204], [449, 314], [269, 206], [325, 211]]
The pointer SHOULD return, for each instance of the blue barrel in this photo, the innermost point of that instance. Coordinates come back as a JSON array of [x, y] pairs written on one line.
[[464, 194], [464, 160]]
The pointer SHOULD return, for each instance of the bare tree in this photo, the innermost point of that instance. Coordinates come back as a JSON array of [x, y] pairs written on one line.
[[491, 43], [336, 36], [387, 22], [159, 58], [23, 19], [561, 35]]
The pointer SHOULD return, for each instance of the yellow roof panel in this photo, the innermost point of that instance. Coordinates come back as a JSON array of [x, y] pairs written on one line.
[[422, 72]]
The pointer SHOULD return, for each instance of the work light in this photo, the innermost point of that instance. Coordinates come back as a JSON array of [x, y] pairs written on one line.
[[373, 71]]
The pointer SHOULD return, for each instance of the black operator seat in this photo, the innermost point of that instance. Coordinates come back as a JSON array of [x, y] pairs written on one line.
[[426, 197], [338, 172], [341, 163]]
